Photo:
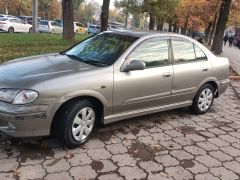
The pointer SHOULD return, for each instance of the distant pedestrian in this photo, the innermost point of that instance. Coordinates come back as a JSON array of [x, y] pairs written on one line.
[[225, 39], [230, 40]]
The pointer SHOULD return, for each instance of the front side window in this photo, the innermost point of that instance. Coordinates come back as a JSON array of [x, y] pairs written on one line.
[[101, 50], [154, 52], [14, 21], [53, 23]]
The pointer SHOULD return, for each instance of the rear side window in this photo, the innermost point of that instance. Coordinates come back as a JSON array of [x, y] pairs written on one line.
[[200, 55], [154, 52], [185, 51]]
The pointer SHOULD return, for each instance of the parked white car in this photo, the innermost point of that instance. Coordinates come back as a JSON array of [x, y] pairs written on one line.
[[50, 27], [14, 25], [6, 16]]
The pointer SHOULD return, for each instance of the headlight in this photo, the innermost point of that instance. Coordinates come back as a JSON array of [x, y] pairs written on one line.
[[16, 96]]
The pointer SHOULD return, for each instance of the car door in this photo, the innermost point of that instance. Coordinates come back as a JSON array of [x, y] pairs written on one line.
[[151, 87], [15, 25], [23, 27], [191, 67]]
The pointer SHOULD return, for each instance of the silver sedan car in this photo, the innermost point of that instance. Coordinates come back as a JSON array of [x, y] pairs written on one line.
[[107, 78]]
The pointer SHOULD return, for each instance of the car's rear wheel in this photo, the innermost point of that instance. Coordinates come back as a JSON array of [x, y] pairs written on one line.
[[30, 30], [203, 99], [76, 123], [11, 30]]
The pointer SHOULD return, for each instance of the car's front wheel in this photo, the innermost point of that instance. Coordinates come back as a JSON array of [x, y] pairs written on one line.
[[203, 99], [76, 123]]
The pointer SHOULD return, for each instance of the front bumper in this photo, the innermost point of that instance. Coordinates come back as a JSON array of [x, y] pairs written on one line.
[[24, 121]]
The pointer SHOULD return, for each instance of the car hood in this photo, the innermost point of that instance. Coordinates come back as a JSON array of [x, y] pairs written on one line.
[[39, 68]]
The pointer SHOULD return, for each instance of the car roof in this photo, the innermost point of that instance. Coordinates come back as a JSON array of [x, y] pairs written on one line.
[[149, 33]]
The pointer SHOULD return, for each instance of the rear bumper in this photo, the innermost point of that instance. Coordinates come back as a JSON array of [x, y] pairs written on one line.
[[24, 121], [222, 86]]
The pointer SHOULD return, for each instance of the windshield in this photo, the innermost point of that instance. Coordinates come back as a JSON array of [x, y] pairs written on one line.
[[102, 49]]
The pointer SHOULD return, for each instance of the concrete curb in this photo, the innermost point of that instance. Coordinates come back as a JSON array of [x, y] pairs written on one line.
[[236, 87], [235, 82]]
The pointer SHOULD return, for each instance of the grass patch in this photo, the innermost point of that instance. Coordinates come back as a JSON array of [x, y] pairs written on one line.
[[20, 45]]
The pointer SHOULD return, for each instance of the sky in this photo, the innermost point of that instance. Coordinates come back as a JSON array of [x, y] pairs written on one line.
[[101, 1]]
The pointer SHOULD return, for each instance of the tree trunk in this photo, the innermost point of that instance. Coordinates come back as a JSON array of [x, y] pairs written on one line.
[[104, 15], [170, 26], [151, 21], [213, 29], [207, 31], [68, 30], [184, 31], [221, 25], [126, 19]]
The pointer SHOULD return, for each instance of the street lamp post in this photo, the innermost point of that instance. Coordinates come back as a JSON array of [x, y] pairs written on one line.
[[34, 16]]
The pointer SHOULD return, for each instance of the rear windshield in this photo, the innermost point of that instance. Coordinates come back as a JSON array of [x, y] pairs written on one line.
[[44, 22], [80, 25], [92, 26]]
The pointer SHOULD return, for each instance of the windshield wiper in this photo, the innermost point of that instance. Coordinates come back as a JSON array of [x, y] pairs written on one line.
[[96, 62], [72, 56]]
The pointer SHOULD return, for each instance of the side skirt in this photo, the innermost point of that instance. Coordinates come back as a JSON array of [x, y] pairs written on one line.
[[141, 112]]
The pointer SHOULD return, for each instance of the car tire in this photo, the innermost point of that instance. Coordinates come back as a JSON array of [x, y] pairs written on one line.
[[71, 126], [11, 30], [203, 100], [30, 30]]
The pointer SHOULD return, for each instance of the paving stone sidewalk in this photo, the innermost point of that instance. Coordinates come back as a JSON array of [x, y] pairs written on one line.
[[169, 145]]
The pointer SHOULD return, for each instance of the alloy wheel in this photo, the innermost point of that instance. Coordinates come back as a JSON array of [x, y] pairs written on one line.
[[205, 99], [83, 124]]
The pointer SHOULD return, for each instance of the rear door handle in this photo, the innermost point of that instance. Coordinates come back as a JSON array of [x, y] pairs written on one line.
[[167, 74], [205, 69]]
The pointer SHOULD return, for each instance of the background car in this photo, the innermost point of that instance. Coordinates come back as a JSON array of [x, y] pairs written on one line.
[[79, 28], [92, 28], [6, 16], [14, 25], [28, 19], [50, 27], [59, 22]]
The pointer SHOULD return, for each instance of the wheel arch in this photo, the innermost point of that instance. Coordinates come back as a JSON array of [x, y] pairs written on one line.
[[96, 102], [211, 81]]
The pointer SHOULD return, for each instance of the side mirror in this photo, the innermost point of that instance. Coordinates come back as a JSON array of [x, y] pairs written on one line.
[[135, 65]]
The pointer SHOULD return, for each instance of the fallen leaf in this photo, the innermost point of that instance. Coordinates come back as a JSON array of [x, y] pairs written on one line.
[[113, 140], [157, 146], [16, 172], [9, 141], [164, 174], [68, 154]]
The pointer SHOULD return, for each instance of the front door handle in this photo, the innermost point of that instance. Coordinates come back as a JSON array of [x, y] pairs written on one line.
[[167, 74], [205, 69]]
